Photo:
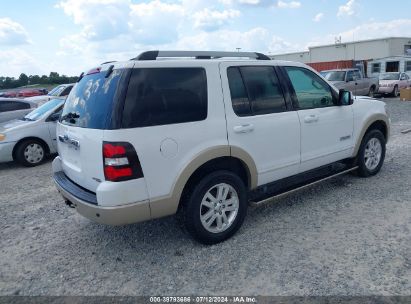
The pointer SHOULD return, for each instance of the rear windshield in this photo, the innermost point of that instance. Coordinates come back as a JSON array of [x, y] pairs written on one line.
[[334, 76], [90, 102], [56, 91], [162, 96], [390, 76], [42, 110]]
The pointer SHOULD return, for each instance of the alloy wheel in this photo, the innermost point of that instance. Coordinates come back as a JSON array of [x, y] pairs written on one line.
[[372, 154], [219, 208]]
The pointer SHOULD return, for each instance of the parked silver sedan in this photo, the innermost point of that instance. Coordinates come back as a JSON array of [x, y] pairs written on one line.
[[391, 83], [30, 139]]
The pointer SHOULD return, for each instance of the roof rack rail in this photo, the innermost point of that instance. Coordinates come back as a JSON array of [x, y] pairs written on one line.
[[153, 55], [108, 62]]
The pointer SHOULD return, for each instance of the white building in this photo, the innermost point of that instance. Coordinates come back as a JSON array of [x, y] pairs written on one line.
[[350, 54], [389, 64]]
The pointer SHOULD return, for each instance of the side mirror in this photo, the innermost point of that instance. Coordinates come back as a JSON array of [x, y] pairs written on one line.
[[345, 98], [54, 117]]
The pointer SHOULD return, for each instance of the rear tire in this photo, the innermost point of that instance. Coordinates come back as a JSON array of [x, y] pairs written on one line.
[[30, 153], [216, 207], [371, 154]]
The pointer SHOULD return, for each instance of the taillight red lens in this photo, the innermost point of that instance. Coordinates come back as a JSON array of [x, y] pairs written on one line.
[[113, 174], [110, 150], [120, 162]]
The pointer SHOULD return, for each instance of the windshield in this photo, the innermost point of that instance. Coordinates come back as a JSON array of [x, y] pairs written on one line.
[[56, 91], [90, 102], [390, 76], [334, 75], [40, 111]]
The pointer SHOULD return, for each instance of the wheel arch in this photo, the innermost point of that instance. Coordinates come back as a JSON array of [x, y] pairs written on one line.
[[219, 158], [42, 141], [379, 122]]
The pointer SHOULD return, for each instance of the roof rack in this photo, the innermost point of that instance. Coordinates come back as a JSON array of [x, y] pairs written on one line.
[[153, 55]]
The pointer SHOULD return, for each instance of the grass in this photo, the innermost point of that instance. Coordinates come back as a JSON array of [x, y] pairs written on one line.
[[39, 86], [48, 87]]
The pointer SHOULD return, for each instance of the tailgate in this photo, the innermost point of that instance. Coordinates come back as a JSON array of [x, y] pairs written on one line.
[[80, 150]]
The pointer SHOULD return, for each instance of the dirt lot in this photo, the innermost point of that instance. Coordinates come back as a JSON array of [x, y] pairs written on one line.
[[348, 236]]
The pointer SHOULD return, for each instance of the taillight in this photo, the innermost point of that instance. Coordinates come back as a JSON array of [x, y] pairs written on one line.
[[121, 162]]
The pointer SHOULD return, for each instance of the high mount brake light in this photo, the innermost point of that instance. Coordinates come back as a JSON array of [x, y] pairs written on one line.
[[120, 162], [94, 71]]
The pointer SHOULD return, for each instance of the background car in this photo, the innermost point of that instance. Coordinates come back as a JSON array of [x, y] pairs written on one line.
[[31, 92], [11, 108], [60, 91], [10, 94], [30, 139], [391, 83], [23, 93]]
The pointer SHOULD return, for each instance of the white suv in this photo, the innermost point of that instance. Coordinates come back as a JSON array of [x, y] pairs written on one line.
[[204, 134]]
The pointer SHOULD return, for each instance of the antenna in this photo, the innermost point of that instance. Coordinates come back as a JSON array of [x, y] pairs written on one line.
[[355, 66], [353, 44], [337, 40]]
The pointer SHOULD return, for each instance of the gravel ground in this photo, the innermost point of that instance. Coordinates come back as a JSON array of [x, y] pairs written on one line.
[[347, 236]]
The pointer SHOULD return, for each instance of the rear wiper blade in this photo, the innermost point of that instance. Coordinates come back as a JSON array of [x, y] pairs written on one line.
[[70, 116], [27, 119]]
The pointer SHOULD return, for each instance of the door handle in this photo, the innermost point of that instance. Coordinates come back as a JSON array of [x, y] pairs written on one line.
[[311, 118], [244, 128]]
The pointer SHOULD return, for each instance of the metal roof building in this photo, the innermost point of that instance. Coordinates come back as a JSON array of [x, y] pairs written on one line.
[[349, 54]]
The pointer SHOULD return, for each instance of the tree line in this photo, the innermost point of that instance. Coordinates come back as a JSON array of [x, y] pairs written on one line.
[[23, 80]]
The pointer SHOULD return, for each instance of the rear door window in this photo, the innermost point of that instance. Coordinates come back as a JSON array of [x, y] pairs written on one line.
[[162, 96], [255, 90]]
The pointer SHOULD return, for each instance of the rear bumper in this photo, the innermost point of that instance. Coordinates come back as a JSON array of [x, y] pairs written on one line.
[[6, 151], [87, 206]]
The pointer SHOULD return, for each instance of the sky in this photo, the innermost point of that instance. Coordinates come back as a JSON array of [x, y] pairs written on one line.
[[70, 36]]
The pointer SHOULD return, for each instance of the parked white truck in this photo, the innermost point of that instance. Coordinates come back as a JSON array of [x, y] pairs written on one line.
[[352, 80]]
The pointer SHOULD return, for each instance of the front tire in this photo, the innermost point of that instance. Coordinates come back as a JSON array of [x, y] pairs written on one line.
[[30, 153], [395, 92], [371, 154], [216, 207]]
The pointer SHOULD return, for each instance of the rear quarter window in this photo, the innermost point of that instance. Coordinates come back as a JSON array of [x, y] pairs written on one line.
[[162, 96]]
